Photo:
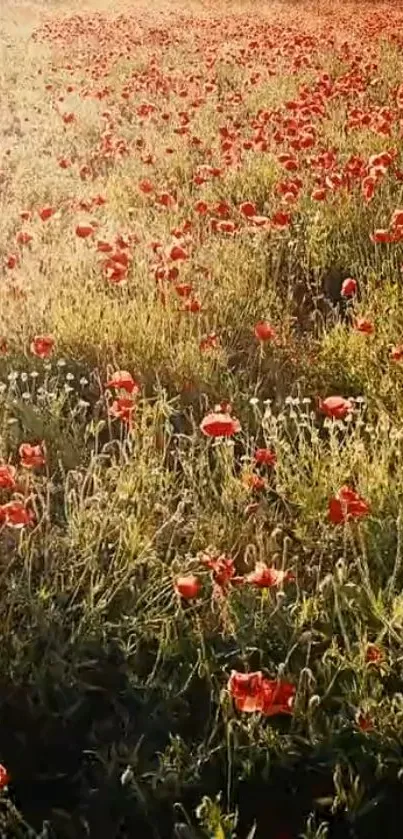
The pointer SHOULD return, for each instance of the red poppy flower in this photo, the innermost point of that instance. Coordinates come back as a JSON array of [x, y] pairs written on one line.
[[211, 342], [374, 654], [281, 219], [246, 689], [165, 199], [177, 253], [31, 456], [84, 230], [23, 238], [265, 577], [15, 514], [381, 236], [104, 247], [7, 476], [223, 226], [368, 188], [347, 505], [115, 272], [187, 586], [248, 209], [122, 380], [146, 186], [264, 331], [266, 457], [45, 213], [222, 209], [42, 346], [99, 200], [335, 407], [123, 409], [365, 326], [252, 692], [319, 194], [4, 777], [193, 305], [11, 260], [223, 570], [253, 482], [349, 287], [397, 219], [396, 353], [364, 721], [183, 289], [201, 207], [219, 424], [278, 697], [173, 273], [289, 162]]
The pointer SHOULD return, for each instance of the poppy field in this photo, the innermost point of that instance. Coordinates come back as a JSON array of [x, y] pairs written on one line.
[[201, 420]]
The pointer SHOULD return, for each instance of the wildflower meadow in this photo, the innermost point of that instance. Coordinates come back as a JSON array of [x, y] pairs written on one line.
[[201, 420]]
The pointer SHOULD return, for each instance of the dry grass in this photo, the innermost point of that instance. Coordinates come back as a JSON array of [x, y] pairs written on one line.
[[100, 655]]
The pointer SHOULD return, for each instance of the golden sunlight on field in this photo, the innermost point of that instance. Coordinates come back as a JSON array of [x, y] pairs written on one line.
[[201, 408]]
